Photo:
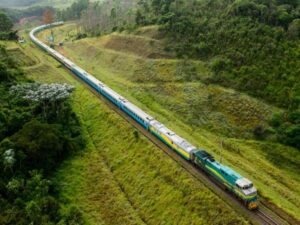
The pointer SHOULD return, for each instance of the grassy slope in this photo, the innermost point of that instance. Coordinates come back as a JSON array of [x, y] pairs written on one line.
[[204, 114], [121, 179]]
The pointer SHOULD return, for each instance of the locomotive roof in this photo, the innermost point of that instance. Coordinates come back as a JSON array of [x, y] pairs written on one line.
[[203, 154], [227, 170], [243, 182]]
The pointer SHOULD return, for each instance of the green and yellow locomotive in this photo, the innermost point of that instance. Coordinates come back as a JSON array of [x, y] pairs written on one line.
[[232, 181]]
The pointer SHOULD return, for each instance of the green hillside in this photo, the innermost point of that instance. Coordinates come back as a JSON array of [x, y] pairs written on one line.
[[205, 114], [120, 177], [250, 46]]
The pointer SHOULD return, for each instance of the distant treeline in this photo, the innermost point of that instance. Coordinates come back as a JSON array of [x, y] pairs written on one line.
[[17, 3], [96, 18], [17, 14]]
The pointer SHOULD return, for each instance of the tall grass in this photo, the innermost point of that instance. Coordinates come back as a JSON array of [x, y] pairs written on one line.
[[204, 114], [124, 179]]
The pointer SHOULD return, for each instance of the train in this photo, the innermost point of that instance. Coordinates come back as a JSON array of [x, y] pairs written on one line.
[[230, 180]]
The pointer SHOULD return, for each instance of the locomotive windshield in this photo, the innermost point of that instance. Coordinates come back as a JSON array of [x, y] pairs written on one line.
[[247, 186]]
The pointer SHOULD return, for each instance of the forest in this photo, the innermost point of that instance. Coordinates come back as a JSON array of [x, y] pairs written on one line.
[[250, 45], [38, 130], [100, 17]]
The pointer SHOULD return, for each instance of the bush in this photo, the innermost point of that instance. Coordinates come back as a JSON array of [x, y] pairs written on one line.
[[259, 132], [294, 29]]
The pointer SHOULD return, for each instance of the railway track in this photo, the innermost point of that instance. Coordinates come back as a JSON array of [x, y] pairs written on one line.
[[260, 216], [266, 218]]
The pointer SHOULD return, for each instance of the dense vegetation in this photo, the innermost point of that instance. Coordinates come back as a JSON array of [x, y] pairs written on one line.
[[6, 25], [250, 45], [99, 17], [38, 129], [17, 14], [73, 11]]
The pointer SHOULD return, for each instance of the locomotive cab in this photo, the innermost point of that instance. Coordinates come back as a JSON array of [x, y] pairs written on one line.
[[246, 187]]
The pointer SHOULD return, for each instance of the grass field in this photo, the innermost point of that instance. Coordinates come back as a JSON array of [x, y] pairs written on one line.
[[204, 114], [122, 178]]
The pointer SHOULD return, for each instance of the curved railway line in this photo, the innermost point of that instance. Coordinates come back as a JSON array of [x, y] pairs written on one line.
[[263, 215], [260, 216]]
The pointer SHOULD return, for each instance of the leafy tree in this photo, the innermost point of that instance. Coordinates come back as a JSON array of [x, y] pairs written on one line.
[[51, 97], [294, 29], [48, 16], [5, 23]]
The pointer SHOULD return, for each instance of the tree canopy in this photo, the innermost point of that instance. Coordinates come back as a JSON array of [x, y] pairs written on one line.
[[6, 26], [250, 45], [38, 130], [5, 23]]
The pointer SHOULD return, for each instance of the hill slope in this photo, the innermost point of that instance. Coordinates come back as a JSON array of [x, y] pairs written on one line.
[[120, 177], [205, 114]]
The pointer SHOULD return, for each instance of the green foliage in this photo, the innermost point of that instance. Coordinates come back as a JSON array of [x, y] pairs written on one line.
[[250, 45], [74, 11], [6, 25], [9, 71], [38, 129], [27, 201], [294, 29], [17, 14], [287, 126], [100, 17]]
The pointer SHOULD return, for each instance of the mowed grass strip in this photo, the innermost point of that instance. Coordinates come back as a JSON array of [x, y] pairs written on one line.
[[204, 114], [124, 179]]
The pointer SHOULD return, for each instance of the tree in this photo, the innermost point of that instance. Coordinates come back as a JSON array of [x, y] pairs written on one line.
[[51, 97], [9, 159], [294, 29], [5, 23], [48, 16], [139, 18]]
